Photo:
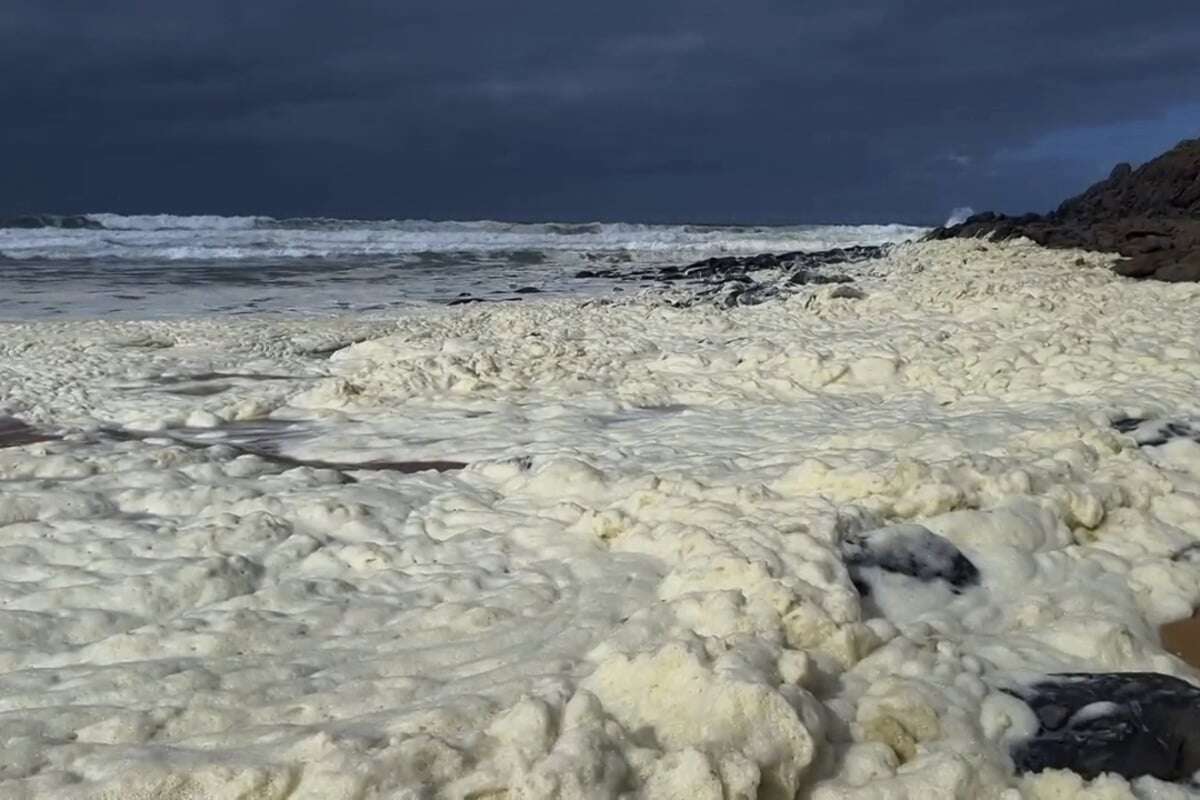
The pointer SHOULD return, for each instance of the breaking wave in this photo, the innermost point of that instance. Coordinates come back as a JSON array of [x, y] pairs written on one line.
[[198, 238]]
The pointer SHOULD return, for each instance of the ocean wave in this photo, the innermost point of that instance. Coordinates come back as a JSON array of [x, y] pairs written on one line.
[[203, 238], [171, 222], [36, 221]]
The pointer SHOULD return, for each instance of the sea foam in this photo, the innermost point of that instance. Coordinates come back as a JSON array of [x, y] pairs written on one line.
[[638, 584]]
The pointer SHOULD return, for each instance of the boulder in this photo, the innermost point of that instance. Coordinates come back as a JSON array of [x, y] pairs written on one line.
[[1132, 723]]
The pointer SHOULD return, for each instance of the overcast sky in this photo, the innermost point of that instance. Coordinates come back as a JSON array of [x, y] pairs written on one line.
[[655, 110]]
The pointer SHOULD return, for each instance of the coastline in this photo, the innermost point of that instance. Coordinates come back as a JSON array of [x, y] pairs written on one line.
[[655, 498]]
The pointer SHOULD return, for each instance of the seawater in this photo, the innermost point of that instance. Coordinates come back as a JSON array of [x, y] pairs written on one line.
[[164, 266]]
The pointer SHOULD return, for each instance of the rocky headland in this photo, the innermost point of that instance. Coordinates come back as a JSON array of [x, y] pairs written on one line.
[[1150, 215]]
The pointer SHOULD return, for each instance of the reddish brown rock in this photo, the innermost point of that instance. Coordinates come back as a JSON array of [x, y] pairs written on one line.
[[1182, 638]]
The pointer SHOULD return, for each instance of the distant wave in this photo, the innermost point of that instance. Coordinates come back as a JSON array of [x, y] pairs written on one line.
[[170, 222], [959, 215], [201, 238], [36, 221]]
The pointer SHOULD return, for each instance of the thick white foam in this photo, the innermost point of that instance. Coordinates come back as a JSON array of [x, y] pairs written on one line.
[[169, 238], [171, 222], [635, 587]]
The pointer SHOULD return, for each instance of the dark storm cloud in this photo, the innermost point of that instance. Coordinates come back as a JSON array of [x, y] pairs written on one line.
[[756, 110]]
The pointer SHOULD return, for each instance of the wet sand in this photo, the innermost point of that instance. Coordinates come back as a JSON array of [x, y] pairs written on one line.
[[1182, 638]]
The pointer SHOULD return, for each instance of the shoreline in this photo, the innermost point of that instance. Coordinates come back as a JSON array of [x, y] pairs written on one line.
[[655, 497]]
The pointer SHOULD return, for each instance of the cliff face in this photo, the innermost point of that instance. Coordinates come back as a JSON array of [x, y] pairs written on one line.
[[1150, 214]]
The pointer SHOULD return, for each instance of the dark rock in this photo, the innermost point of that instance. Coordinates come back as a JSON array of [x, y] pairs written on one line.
[[528, 290], [1188, 553], [1150, 214], [805, 277], [1143, 244], [749, 296], [1182, 269], [731, 281], [1120, 171], [1155, 433], [1127, 424], [911, 550], [14, 433], [712, 267], [462, 301], [1140, 267], [1133, 724], [832, 279]]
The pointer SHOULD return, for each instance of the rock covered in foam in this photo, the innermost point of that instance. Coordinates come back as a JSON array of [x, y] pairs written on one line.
[[731, 281], [1133, 724], [1156, 432], [908, 550]]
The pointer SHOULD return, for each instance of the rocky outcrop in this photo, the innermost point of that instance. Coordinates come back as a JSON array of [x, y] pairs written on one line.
[[730, 281], [1150, 214]]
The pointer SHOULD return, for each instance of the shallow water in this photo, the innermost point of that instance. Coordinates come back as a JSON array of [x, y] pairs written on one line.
[[116, 288], [162, 266]]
